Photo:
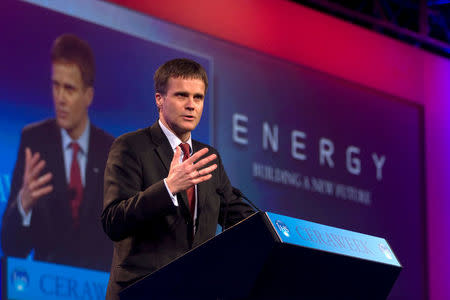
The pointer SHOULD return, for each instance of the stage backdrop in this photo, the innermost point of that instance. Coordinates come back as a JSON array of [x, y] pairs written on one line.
[[296, 141]]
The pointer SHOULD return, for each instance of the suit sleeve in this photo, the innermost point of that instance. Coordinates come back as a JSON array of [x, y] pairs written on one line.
[[235, 209], [128, 204], [16, 239]]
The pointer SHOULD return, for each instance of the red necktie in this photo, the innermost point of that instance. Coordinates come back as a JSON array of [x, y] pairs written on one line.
[[75, 185], [190, 191]]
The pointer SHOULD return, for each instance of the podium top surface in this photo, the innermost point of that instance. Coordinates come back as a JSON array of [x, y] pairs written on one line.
[[331, 239]]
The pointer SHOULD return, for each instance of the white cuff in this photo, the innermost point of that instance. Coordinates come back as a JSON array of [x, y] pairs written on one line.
[[173, 197], [26, 217]]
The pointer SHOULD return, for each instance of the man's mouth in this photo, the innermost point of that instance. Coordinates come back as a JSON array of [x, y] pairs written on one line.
[[61, 114]]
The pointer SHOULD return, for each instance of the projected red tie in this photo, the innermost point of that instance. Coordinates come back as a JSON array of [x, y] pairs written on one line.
[[75, 185], [190, 191]]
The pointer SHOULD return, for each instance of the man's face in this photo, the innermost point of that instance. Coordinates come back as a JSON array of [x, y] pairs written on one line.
[[181, 108], [71, 98]]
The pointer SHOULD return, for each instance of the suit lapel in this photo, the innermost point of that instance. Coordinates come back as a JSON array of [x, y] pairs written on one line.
[[162, 145], [201, 188], [165, 153], [59, 197], [93, 177]]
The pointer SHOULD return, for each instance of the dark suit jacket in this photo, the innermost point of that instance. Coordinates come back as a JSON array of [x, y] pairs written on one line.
[[51, 233], [139, 216]]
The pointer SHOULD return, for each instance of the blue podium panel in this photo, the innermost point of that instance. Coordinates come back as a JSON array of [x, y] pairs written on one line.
[[314, 261], [331, 239]]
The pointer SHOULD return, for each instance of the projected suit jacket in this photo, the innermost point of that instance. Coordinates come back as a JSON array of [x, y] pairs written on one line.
[[148, 230], [51, 232]]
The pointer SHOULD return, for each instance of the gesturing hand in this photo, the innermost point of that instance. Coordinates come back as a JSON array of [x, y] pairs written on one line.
[[189, 172], [33, 185]]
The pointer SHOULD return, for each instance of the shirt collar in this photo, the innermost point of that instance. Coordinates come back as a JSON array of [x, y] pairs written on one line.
[[173, 139], [83, 140]]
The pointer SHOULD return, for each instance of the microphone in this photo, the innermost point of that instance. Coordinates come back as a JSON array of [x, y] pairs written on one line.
[[222, 196], [238, 193]]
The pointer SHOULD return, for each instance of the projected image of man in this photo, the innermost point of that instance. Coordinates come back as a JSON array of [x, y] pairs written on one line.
[[57, 185]]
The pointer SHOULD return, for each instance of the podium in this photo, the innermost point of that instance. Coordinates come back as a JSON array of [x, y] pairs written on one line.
[[270, 256]]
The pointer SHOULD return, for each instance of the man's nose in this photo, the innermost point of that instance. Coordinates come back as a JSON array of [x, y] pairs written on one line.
[[58, 95], [190, 103]]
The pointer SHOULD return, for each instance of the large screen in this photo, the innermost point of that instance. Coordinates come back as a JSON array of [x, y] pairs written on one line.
[[296, 141]]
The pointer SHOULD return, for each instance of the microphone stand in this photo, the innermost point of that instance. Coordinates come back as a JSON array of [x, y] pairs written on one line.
[[222, 196], [238, 193]]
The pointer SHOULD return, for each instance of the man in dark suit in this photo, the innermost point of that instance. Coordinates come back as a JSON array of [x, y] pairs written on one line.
[[162, 196], [57, 185]]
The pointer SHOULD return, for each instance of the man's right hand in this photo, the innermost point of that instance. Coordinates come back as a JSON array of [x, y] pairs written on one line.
[[34, 186], [189, 172]]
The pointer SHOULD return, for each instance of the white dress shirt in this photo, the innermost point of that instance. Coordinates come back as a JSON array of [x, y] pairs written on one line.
[[174, 143]]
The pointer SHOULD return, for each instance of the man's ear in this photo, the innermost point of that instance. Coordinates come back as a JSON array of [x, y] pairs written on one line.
[[89, 95], [159, 99]]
